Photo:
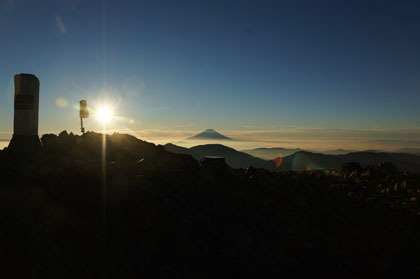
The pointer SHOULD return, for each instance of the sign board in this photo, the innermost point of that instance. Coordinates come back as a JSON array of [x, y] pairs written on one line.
[[84, 112]]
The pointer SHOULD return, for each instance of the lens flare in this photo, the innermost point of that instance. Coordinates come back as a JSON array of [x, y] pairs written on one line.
[[302, 162], [61, 102], [60, 24], [278, 160]]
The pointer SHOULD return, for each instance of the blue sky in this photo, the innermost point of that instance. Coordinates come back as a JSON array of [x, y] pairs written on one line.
[[275, 70]]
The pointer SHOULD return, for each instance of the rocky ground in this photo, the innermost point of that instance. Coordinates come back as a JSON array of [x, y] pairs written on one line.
[[155, 214]]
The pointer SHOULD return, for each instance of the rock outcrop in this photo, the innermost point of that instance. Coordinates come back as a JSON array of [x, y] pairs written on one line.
[[133, 210]]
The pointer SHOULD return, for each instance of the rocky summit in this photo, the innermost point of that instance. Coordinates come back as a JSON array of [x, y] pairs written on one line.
[[130, 209]]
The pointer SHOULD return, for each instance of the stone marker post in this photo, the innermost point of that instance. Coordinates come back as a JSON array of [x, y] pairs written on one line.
[[25, 140]]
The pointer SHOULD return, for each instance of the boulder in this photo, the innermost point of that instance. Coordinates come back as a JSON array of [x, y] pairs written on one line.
[[350, 167], [386, 168]]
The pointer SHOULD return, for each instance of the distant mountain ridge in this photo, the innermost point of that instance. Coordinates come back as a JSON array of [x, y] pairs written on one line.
[[409, 150], [274, 152], [234, 158], [337, 152], [303, 160], [271, 153], [209, 134], [300, 160]]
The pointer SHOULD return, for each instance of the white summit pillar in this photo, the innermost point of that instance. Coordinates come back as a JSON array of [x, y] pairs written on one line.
[[25, 138]]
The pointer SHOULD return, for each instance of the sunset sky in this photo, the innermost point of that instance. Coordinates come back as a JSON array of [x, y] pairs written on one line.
[[310, 74]]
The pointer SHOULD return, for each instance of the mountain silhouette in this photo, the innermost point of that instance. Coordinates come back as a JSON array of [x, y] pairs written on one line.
[[303, 160], [271, 153], [234, 158], [337, 151], [408, 150], [209, 134]]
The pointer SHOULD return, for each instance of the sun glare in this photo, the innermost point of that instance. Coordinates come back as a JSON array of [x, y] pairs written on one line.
[[104, 114]]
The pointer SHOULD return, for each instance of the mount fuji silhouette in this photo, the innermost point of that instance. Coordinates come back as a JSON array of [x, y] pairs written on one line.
[[209, 134]]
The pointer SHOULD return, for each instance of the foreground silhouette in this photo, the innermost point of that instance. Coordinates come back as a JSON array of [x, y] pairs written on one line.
[[165, 215]]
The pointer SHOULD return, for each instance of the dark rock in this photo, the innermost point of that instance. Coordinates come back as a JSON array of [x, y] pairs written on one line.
[[230, 252], [49, 139], [240, 235], [386, 167], [213, 162], [141, 211], [350, 167], [64, 162]]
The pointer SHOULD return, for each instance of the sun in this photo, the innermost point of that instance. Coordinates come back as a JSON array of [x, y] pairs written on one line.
[[104, 114]]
